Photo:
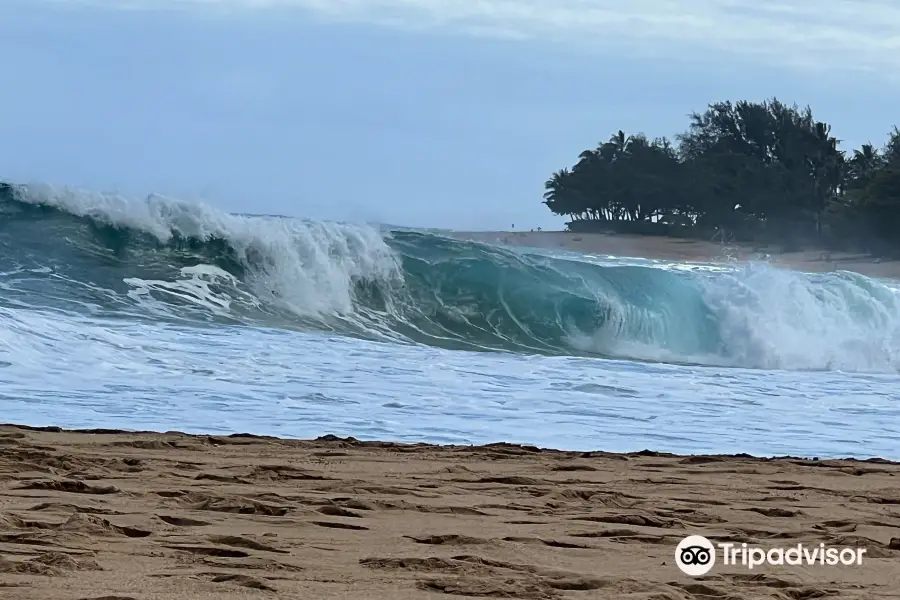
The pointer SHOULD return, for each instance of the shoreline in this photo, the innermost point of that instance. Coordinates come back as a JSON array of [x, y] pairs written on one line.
[[207, 436], [687, 250], [147, 516]]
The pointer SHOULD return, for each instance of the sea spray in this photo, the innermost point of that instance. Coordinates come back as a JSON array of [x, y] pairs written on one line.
[[166, 259]]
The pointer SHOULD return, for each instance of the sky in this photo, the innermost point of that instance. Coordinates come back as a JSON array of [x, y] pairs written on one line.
[[422, 113]]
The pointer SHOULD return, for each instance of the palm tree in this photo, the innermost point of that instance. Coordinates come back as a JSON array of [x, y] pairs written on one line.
[[892, 148], [555, 188], [614, 148], [753, 169], [864, 163]]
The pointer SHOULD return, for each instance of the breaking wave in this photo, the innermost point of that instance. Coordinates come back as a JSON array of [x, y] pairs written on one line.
[[162, 259]]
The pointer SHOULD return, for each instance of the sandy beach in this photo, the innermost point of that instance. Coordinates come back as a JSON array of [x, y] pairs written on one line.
[[143, 516], [664, 248]]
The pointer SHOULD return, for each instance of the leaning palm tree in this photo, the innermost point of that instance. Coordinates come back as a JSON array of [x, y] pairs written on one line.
[[555, 194]]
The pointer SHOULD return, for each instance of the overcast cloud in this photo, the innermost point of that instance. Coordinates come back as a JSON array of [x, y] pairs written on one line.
[[436, 113], [854, 34]]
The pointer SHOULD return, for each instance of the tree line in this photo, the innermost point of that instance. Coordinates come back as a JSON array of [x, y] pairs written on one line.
[[753, 172]]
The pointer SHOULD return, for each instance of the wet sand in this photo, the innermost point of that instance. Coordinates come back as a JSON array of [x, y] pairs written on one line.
[[663, 248], [145, 516]]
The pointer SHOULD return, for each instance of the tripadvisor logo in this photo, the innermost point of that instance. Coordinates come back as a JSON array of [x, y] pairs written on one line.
[[695, 555]]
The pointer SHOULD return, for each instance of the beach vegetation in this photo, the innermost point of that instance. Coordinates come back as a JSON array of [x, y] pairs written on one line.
[[765, 173]]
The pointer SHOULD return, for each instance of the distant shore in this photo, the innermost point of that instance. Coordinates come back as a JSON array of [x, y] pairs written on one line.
[[149, 516], [667, 248]]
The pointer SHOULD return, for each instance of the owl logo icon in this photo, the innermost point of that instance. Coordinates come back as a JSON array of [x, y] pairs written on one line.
[[695, 555]]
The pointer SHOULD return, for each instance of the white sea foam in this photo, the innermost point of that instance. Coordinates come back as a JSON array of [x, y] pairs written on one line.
[[768, 318], [306, 267], [77, 368], [773, 318], [782, 319]]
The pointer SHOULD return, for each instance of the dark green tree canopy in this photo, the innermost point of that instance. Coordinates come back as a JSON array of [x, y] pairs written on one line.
[[747, 171]]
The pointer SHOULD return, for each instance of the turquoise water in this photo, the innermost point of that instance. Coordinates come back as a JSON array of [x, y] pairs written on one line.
[[158, 314]]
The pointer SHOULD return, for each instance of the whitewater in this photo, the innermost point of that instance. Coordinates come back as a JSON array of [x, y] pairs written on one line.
[[161, 314]]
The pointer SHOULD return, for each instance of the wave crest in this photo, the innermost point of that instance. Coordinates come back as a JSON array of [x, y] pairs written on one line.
[[167, 259]]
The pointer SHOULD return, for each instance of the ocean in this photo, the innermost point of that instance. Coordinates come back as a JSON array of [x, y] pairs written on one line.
[[158, 314]]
